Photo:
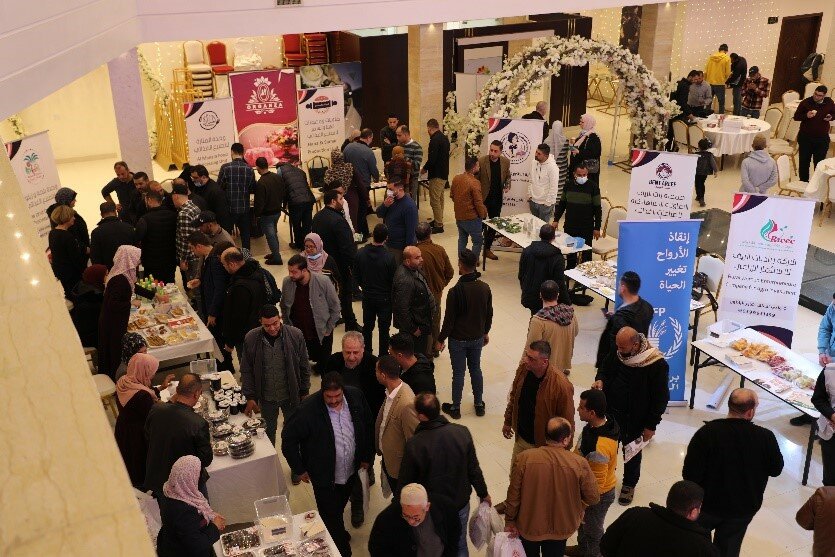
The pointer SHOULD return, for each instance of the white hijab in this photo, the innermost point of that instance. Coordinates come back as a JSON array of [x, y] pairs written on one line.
[[556, 139]]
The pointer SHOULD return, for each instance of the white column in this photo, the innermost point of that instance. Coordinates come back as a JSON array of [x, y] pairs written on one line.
[[426, 93], [129, 106]]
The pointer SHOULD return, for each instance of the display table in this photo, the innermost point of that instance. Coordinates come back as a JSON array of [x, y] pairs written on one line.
[[298, 521], [818, 188], [708, 354], [733, 142], [524, 239]]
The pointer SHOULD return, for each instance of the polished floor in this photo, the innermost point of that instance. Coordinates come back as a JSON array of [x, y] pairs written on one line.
[[773, 531]]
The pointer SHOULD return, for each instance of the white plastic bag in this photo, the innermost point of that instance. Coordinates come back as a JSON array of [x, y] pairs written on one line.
[[366, 490], [479, 526], [502, 545], [150, 510]]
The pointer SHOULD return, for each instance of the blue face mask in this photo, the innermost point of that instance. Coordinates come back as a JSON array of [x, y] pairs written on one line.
[[581, 179], [315, 257]]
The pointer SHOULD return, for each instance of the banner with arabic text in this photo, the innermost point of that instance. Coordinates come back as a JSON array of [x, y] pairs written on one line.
[[34, 165], [661, 185], [764, 263], [265, 114], [519, 140], [321, 121], [663, 253], [210, 127]]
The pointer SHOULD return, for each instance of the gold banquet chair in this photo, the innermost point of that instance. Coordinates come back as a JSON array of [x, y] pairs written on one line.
[[785, 185], [774, 117], [607, 245]]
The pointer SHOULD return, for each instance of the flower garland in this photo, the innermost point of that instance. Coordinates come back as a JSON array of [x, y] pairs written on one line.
[[161, 93], [647, 100]]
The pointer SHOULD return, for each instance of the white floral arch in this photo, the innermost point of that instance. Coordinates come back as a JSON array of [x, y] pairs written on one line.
[[647, 100]]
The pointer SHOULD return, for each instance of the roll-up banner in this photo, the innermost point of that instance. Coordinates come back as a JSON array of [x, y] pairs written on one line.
[[321, 121], [519, 141], [34, 165], [661, 185], [210, 126]]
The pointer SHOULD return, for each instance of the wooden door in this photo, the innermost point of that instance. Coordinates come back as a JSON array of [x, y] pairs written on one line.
[[798, 39]]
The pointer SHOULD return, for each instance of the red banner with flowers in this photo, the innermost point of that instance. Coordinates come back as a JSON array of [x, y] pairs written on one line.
[[265, 115]]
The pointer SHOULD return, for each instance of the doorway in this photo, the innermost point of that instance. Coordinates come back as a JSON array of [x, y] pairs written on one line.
[[798, 39]]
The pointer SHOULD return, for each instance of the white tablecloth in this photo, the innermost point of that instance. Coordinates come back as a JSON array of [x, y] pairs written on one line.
[[298, 520], [524, 240], [818, 188], [734, 142]]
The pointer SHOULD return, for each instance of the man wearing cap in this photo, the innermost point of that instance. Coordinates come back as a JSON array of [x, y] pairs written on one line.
[[67, 196], [754, 90], [270, 197], [187, 212], [207, 223], [414, 527], [207, 189], [108, 235]]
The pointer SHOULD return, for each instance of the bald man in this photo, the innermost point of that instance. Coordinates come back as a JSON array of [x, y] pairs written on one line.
[[636, 386], [413, 305], [539, 113], [732, 459]]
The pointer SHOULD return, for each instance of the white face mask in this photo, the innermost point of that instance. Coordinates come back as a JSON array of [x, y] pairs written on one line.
[[315, 256], [581, 179]]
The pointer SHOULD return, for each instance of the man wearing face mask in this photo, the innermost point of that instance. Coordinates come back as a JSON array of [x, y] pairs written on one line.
[[815, 116], [636, 388], [400, 215], [580, 203]]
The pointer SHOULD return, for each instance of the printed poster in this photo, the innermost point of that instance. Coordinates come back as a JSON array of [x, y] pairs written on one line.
[[321, 121], [34, 165], [348, 76], [661, 185], [519, 141], [210, 126], [764, 263], [265, 115]]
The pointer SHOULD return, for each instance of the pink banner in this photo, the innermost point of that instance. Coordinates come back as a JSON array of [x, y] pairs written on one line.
[[265, 115]]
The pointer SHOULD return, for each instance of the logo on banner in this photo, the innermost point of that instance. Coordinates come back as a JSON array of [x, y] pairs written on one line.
[[771, 232], [516, 146], [321, 104], [32, 167], [657, 334], [209, 119], [664, 171], [263, 99]]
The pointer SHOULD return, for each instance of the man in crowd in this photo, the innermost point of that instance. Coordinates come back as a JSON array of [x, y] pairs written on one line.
[[537, 394], [700, 96], [173, 430], [361, 157], [338, 242], [717, 72], [300, 201], [545, 183], [418, 371], [414, 527], [754, 90], [580, 203], [636, 384], [539, 113], [634, 312], [438, 272], [657, 531], [539, 262], [68, 197], [818, 514], [413, 305], [245, 296], [815, 116], [550, 489], [309, 302], [739, 71], [598, 444], [442, 458], [326, 441], [237, 179], [108, 235], [467, 322], [556, 323], [468, 206], [388, 137], [413, 152], [156, 232], [374, 270], [396, 420], [437, 171], [494, 174], [275, 370], [212, 288], [123, 185], [732, 459], [399, 213], [207, 223], [270, 198], [187, 213], [207, 189]]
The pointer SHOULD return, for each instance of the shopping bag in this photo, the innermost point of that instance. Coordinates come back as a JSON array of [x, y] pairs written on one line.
[[502, 545], [366, 489], [150, 510], [384, 484], [479, 526]]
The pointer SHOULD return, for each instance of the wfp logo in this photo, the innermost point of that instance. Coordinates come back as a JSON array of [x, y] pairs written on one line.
[[668, 344], [771, 232]]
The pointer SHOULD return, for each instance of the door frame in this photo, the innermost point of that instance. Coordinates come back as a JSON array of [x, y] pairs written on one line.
[[777, 97]]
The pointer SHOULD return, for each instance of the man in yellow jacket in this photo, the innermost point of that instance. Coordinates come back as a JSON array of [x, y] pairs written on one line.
[[717, 72]]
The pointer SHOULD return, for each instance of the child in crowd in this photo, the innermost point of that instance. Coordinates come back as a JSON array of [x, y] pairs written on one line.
[[705, 166]]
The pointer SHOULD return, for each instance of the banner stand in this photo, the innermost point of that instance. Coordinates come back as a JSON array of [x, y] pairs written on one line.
[[519, 141]]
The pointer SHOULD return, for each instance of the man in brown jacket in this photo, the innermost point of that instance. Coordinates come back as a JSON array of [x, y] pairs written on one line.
[[438, 272], [549, 490], [494, 173], [556, 324], [818, 514], [469, 206], [396, 420]]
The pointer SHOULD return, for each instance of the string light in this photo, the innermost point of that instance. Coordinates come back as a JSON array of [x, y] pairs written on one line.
[[605, 27]]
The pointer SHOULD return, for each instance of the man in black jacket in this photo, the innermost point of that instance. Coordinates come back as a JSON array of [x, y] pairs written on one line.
[[212, 288], [441, 457], [635, 312], [657, 531], [413, 305], [173, 430], [374, 270], [732, 459], [437, 169], [300, 201], [245, 295], [326, 441], [539, 113], [108, 235], [580, 202], [539, 262], [209, 190], [270, 197], [338, 242], [413, 526], [156, 231], [739, 71], [418, 370], [636, 385]]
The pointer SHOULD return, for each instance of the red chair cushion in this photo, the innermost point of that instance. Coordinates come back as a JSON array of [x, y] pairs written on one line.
[[222, 68], [217, 53], [292, 44]]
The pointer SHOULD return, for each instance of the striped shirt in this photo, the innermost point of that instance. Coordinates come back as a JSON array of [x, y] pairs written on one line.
[[237, 179], [344, 442], [414, 153]]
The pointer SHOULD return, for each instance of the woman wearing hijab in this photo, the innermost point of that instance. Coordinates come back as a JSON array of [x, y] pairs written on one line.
[[87, 297], [68, 259], [132, 343], [560, 149], [115, 311], [67, 197], [135, 397], [587, 147], [189, 525], [318, 260]]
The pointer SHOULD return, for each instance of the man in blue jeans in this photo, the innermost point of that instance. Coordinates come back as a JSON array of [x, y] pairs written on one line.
[[467, 321], [270, 195], [237, 179], [469, 206]]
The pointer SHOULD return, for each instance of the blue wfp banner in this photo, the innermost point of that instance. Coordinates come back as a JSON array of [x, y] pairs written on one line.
[[663, 253]]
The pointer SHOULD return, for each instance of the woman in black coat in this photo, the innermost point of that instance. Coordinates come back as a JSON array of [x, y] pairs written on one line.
[[68, 260], [587, 148], [115, 311], [87, 297]]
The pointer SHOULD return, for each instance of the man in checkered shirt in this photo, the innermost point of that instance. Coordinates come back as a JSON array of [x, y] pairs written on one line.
[[187, 212], [237, 179]]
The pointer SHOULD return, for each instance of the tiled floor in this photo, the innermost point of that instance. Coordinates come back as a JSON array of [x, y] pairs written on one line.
[[772, 533]]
